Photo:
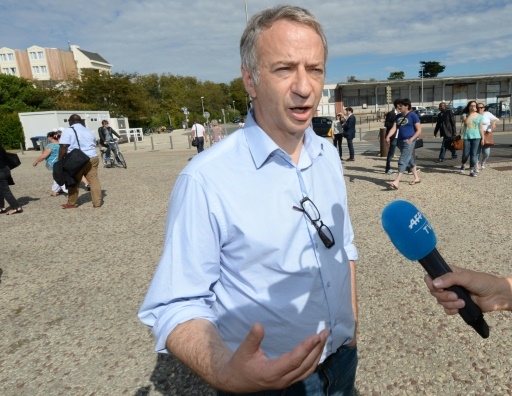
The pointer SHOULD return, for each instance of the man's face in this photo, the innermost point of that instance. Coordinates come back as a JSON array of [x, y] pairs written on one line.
[[105, 124], [291, 78], [442, 107]]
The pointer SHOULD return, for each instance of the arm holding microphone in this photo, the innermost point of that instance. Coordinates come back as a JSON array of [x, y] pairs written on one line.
[[490, 292]]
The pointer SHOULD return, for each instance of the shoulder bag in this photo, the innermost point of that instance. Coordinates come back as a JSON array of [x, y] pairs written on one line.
[[75, 160], [195, 141], [488, 139], [13, 161]]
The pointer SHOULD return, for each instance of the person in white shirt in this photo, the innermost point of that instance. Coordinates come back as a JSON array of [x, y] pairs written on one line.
[[489, 123], [199, 132]]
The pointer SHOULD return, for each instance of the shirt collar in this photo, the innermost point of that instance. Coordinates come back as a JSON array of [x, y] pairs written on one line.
[[261, 146]]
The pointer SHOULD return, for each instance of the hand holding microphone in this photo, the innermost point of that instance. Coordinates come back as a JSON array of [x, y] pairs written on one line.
[[413, 236]]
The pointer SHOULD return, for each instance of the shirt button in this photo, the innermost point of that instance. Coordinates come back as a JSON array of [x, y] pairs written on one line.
[[316, 245], [328, 284]]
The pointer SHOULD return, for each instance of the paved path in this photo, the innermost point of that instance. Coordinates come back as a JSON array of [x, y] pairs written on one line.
[[73, 281]]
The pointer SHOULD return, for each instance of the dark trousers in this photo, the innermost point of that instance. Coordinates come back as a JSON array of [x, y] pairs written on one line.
[[337, 140], [391, 153], [446, 142], [200, 144], [5, 191], [350, 147]]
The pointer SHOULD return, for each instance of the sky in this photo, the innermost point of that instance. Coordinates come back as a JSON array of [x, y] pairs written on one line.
[[367, 38]]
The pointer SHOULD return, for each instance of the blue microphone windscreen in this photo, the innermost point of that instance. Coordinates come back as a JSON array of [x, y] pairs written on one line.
[[408, 229]]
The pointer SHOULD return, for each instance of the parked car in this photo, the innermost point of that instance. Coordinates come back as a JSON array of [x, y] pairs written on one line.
[[321, 125], [458, 110], [236, 120], [433, 109], [494, 108], [414, 108], [426, 116]]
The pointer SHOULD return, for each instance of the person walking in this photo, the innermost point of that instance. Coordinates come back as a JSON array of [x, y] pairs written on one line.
[[447, 129], [349, 131], [409, 129], [388, 124], [489, 125], [5, 191], [256, 289], [473, 135], [217, 132], [337, 132], [87, 141], [50, 154], [199, 132]]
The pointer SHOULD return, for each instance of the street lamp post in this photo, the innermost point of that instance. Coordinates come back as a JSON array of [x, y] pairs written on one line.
[[422, 66], [202, 105]]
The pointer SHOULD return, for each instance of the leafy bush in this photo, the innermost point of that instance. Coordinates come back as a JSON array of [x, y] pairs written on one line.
[[11, 132]]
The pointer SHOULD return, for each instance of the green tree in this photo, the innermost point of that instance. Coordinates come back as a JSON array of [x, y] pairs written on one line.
[[399, 75], [430, 69]]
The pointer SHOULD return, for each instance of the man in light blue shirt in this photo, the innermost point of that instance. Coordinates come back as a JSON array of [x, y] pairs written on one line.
[[255, 289]]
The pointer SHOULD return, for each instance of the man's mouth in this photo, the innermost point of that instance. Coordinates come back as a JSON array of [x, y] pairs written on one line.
[[300, 110]]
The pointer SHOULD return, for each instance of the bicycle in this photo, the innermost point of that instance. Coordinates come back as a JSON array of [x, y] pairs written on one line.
[[116, 158]]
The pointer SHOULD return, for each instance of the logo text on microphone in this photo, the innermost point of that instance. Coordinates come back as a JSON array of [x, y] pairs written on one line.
[[422, 225]]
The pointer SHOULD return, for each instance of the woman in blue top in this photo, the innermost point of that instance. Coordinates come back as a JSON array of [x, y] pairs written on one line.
[[51, 155], [473, 135], [409, 128]]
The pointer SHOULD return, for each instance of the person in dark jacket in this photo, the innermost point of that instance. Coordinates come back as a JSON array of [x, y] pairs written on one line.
[[349, 131], [388, 123], [5, 191], [106, 134], [448, 130]]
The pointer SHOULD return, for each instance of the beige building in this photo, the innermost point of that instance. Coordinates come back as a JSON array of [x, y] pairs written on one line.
[[45, 64], [371, 96]]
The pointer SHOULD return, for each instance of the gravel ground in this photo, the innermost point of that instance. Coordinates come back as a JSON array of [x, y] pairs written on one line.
[[73, 281]]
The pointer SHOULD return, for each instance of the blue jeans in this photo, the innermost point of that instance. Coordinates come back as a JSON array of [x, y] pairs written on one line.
[[334, 377], [406, 159], [471, 147], [443, 148]]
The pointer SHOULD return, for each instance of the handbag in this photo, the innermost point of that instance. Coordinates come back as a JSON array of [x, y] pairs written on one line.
[[488, 139], [75, 160], [13, 161], [457, 143], [418, 144], [195, 141]]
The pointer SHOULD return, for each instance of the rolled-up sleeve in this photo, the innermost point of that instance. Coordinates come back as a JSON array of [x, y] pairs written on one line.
[[181, 288]]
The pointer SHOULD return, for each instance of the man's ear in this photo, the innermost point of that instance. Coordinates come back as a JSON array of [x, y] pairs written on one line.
[[248, 82]]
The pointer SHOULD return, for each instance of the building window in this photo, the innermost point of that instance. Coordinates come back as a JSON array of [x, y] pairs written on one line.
[[5, 70], [331, 93], [13, 71], [350, 101], [325, 93], [43, 69], [11, 57], [40, 55], [3, 57], [35, 69], [33, 55]]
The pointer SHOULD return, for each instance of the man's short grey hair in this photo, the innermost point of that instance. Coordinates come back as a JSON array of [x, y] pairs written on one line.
[[264, 20]]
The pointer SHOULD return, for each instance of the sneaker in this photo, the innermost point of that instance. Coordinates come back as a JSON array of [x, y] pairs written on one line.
[[87, 187], [455, 156], [462, 168], [473, 174], [390, 172], [476, 170], [484, 165], [440, 160]]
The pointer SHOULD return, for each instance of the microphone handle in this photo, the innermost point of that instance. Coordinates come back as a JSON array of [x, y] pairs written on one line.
[[435, 266]]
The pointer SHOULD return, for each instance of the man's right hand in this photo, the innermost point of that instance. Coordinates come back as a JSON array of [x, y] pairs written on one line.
[[249, 370]]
